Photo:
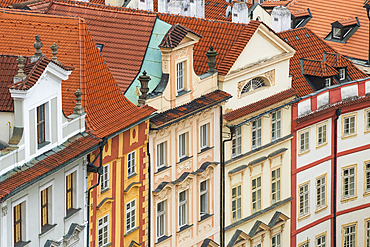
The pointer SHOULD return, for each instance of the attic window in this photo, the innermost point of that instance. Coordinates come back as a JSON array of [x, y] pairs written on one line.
[[253, 84], [100, 47], [296, 37], [185, 9], [224, 6], [216, 4], [235, 15], [337, 33], [307, 35], [343, 30], [208, 3], [286, 40], [328, 82]]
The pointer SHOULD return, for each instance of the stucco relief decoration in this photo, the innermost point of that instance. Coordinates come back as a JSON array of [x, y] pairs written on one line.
[[4, 210], [182, 239], [182, 52], [161, 178], [162, 195], [205, 229], [270, 75], [183, 166], [162, 132], [165, 61]]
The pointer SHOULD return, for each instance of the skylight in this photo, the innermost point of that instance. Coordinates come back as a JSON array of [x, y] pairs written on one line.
[[286, 40], [307, 35], [100, 47], [216, 4], [296, 37], [208, 2]]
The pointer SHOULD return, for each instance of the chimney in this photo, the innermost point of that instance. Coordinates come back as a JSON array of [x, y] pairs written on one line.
[[38, 52], [78, 109], [144, 81], [54, 50], [240, 13], [20, 76], [211, 54], [280, 19]]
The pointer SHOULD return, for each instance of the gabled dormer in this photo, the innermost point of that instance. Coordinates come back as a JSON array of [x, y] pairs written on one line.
[[318, 73], [300, 17], [342, 30]]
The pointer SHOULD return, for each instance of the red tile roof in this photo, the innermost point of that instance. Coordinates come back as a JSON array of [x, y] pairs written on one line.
[[7, 3], [326, 12], [200, 103], [175, 35], [22, 178], [310, 46], [348, 21], [300, 13], [259, 105], [318, 68], [216, 10], [228, 39], [272, 4]]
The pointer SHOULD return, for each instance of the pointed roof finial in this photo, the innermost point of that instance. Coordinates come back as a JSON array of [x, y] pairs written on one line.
[[38, 45], [78, 109], [144, 81], [54, 48], [20, 76], [211, 54]]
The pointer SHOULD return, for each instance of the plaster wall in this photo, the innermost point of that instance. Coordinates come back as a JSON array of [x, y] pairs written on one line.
[[312, 233], [4, 129], [261, 14]]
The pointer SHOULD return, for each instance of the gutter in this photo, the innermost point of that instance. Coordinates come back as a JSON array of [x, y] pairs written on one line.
[[337, 113]]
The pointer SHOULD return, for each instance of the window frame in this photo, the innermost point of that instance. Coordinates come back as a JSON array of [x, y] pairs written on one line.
[[304, 151], [184, 136], [45, 205], [69, 191], [104, 183], [23, 201], [340, 33], [275, 235], [131, 169], [342, 74], [257, 130], [105, 224], [201, 194], [367, 120], [318, 126], [40, 122], [180, 76], [367, 232], [255, 190], [161, 220], [328, 82], [305, 214], [161, 154], [277, 121], [236, 198], [183, 209], [203, 132], [234, 142], [17, 221], [305, 243], [366, 178], [277, 181], [349, 116], [344, 234], [132, 212], [323, 234], [349, 197], [321, 207]]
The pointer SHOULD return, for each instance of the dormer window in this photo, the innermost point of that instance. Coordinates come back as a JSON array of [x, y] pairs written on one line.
[[342, 74], [337, 33], [327, 82], [342, 30], [180, 76], [253, 84], [41, 124]]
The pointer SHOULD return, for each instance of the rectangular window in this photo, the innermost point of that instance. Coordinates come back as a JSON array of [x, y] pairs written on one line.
[[236, 148], [276, 240], [130, 215], [183, 148], [204, 136], [342, 74], [103, 230], [180, 76], [17, 223], [327, 82], [275, 125], [183, 208], [44, 207], [69, 192], [320, 192], [131, 163], [367, 177], [349, 236], [321, 241], [161, 154], [321, 135], [304, 141], [367, 226], [256, 194], [275, 185], [203, 198], [236, 202], [306, 244], [104, 183], [349, 182], [349, 125], [337, 32], [304, 200], [256, 133], [41, 124], [257, 245], [367, 116], [161, 219]]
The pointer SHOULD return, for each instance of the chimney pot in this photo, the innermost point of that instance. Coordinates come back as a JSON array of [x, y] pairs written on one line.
[[144, 81], [78, 109]]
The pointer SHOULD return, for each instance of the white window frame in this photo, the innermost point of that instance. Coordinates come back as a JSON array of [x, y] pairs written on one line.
[[335, 35], [347, 129], [180, 76], [161, 154], [321, 134], [346, 193], [131, 163], [304, 199], [321, 240], [183, 208], [203, 194], [235, 200], [367, 120], [204, 135], [236, 143], [161, 220], [342, 74], [275, 182], [367, 176], [183, 145], [256, 199], [305, 145], [277, 238], [275, 125], [104, 179], [349, 237], [321, 192], [256, 136], [327, 82], [130, 213], [367, 229], [105, 228]]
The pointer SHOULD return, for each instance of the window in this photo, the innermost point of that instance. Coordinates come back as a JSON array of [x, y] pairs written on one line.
[[349, 182], [349, 127], [367, 177], [327, 82], [337, 32], [236, 202], [161, 219], [256, 194], [183, 208], [131, 163], [161, 154], [321, 134], [183, 145], [204, 136], [256, 133], [367, 120], [367, 226], [69, 192], [304, 141], [349, 236], [203, 198], [236, 148], [130, 215], [342, 74], [18, 223], [304, 200], [258, 245], [275, 125], [103, 230], [253, 85], [104, 184], [320, 192], [44, 207], [275, 185], [306, 244], [321, 241], [41, 124], [276, 240], [180, 76]]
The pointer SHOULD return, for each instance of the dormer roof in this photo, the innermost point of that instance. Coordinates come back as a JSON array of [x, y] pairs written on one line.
[[318, 68], [301, 13], [175, 35]]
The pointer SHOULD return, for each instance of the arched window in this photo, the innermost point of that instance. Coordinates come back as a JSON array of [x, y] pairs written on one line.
[[253, 85]]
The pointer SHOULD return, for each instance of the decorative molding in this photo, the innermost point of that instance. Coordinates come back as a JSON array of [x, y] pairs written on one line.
[[163, 195], [205, 228], [185, 165], [4, 210], [181, 52], [270, 75], [161, 177]]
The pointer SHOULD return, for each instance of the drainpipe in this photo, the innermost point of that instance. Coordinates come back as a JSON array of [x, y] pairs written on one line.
[[149, 195], [222, 189], [337, 113], [98, 170]]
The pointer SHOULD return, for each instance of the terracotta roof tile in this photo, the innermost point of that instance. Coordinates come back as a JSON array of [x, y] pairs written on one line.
[[348, 21], [175, 35], [216, 10], [300, 13], [272, 4], [310, 46], [248, 109], [228, 39], [318, 68], [204, 101]]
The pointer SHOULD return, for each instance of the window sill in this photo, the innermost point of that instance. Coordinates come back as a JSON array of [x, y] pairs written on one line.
[[348, 199], [367, 193], [321, 209], [132, 175], [163, 238], [183, 228], [163, 168], [22, 244], [204, 217], [43, 144], [108, 244], [131, 231], [304, 152], [105, 190], [321, 145], [183, 159], [205, 149], [72, 212], [182, 92], [349, 136], [46, 229], [303, 217]]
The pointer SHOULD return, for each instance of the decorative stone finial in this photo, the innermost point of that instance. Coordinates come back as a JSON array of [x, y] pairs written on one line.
[[20, 61], [78, 109], [38, 45], [211, 54], [54, 50], [144, 81]]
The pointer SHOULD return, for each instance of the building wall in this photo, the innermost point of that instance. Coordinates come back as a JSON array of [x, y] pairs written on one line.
[[6, 117]]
